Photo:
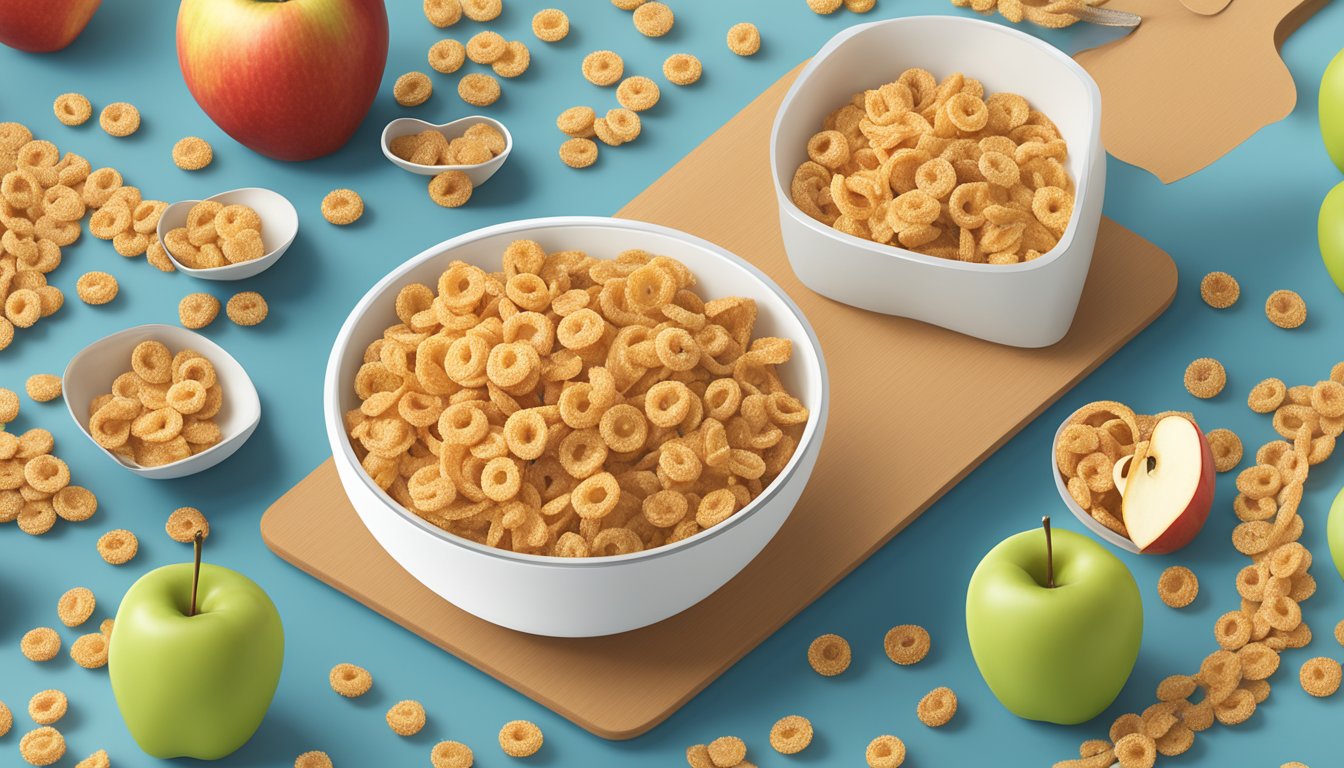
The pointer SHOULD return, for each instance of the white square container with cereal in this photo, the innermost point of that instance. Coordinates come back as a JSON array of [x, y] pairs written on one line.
[[1027, 304]]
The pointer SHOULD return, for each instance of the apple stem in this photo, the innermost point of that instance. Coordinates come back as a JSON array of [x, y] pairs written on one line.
[[196, 575], [1049, 555]]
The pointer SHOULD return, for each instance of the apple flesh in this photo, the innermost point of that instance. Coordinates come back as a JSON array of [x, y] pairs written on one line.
[[1166, 501], [1331, 108], [290, 79], [1059, 654], [1330, 233], [43, 26], [195, 686]]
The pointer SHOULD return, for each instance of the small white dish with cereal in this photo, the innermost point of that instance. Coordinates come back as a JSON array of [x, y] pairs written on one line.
[[162, 401], [968, 201], [230, 236], [477, 146], [575, 502]]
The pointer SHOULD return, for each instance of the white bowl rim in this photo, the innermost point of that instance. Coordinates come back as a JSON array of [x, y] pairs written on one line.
[[206, 347], [402, 162], [1096, 528], [896, 252], [218, 270], [335, 425]]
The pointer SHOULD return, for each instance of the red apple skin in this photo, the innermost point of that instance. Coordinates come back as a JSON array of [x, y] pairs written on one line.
[[291, 79], [43, 26], [1186, 527]]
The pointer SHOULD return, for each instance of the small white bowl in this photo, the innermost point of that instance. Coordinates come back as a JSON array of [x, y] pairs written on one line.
[[1023, 305], [279, 227], [1084, 517], [585, 597], [479, 173], [92, 369]]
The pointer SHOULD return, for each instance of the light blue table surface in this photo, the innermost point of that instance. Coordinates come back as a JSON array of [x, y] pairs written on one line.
[[1252, 213]]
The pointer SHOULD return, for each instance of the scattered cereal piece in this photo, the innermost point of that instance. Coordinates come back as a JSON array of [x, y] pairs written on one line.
[[197, 310], [42, 746], [860, 6], [653, 19], [603, 68], [937, 707], [96, 288], [520, 738], [247, 308], [824, 7], [192, 153], [829, 655], [443, 13], [450, 189], [412, 89], [184, 523], [482, 10], [75, 606], [41, 644], [119, 119], [791, 734], [1205, 378], [1136, 750], [637, 93], [9, 405], [1339, 632], [576, 122], [886, 751], [486, 47], [90, 651], [1320, 676], [450, 754], [72, 109], [1267, 395], [578, 153], [117, 547], [514, 61], [628, 5], [550, 25], [907, 644], [6, 719], [1219, 290], [478, 90], [1286, 309], [313, 759], [47, 707], [682, 69], [727, 751], [342, 207], [350, 681], [406, 718], [1177, 586], [1227, 449], [43, 387], [744, 39]]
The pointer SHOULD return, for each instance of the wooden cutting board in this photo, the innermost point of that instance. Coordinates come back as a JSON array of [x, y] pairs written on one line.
[[887, 463]]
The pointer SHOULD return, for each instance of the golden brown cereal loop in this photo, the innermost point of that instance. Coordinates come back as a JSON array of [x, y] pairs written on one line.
[[726, 751], [1205, 378], [118, 547], [192, 153], [744, 39], [406, 718], [72, 109], [443, 13], [478, 89], [96, 288], [791, 734], [43, 387], [885, 751], [907, 644], [42, 746], [349, 680], [1286, 309], [75, 606], [637, 94], [603, 68], [829, 655], [1219, 290], [450, 189], [90, 651], [682, 69], [515, 60], [185, 523], [313, 759], [447, 56], [520, 738], [48, 707], [247, 308], [653, 19], [119, 119], [1320, 676], [486, 47], [41, 644], [937, 707], [1177, 587], [450, 754], [412, 89], [482, 10], [1226, 448], [550, 25], [342, 207]]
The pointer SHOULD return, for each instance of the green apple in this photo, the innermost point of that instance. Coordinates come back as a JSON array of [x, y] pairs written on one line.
[[1054, 624], [1334, 532], [195, 685], [1330, 234], [1332, 109]]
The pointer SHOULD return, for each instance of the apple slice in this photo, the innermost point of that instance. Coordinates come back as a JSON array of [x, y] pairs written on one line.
[[1167, 498]]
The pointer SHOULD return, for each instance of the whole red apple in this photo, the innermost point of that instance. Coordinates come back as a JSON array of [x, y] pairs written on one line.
[[42, 26], [291, 79]]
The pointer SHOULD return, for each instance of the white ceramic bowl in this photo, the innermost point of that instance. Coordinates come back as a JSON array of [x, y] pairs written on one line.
[[279, 227], [1084, 517], [1025, 305], [479, 173], [92, 369], [578, 597]]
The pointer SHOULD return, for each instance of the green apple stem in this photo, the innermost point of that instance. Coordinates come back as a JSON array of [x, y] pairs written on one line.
[[196, 574], [1049, 555]]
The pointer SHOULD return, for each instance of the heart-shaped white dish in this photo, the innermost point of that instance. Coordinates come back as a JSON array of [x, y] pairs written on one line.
[[479, 173], [279, 227]]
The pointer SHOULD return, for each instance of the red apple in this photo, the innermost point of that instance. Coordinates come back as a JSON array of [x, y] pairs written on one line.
[[42, 26], [1167, 498], [291, 79]]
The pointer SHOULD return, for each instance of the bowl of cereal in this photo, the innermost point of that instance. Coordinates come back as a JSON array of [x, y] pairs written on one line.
[[161, 401], [475, 145], [971, 204], [589, 441], [230, 236]]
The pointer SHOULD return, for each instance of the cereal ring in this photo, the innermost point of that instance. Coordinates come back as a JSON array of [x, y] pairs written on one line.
[[41, 644], [1327, 397], [1320, 676], [192, 153], [482, 10], [1258, 661], [90, 651], [9, 406], [1177, 586], [118, 547], [653, 19], [1232, 630], [886, 751], [550, 25], [185, 523], [637, 94], [515, 60], [726, 751], [447, 56], [350, 681], [1286, 309], [1219, 290], [682, 69], [36, 517], [119, 119], [1226, 448], [96, 288], [43, 387], [450, 754], [42, 746], [623, 124], [1136, 750], [443, 13], [744, 39], [829, 655], [48, 707], [152, 362], [603, 68], [342, 207], [486, 47], [197, 310], [247, 308], [72, 109], [1205, 378], [313, 759], [75, 606], [907, 644], [406, 718], [824, 7], [576, 122], [520, 738], [937, 707], [1267, 395], [23, 307], [412, 89], [578, 152], [450, 189], [46, 474], [790, 735], [478, 90]]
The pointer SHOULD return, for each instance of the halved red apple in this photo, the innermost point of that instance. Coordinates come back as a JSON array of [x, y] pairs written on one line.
[[1166, 498]]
